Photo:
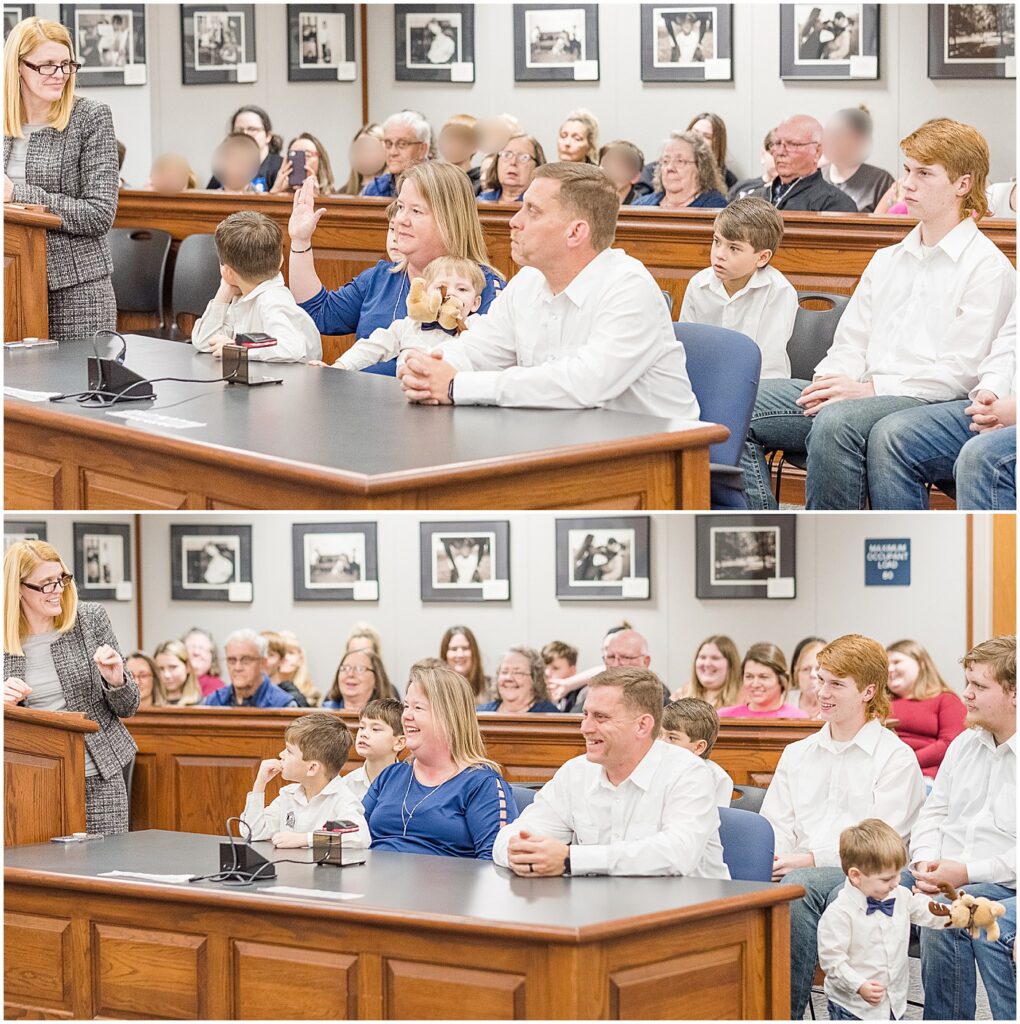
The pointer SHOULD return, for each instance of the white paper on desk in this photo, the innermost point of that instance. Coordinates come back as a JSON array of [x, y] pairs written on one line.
[[30, 396], [239, 592], [863, 67], [783, 586], [346, 71], [1010, 69], [134, 74], [125, 590], [586, 71], [495, 590], [636, 587], [247, 71], [320, 894], [718, 68], [366, 590], [462, 71], [155, 419], [170, 879]]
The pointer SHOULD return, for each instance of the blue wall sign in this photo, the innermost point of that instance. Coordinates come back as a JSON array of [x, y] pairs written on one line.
[[887, 563]]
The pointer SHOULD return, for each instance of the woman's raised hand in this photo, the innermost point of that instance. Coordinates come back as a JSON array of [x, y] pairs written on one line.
[[304, 218]]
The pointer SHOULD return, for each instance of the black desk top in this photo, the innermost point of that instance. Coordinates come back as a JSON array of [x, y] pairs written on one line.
[[432, 891]]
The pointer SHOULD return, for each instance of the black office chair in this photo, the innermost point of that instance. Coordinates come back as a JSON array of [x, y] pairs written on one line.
[[139, 269], [749, 798], [196, 281]]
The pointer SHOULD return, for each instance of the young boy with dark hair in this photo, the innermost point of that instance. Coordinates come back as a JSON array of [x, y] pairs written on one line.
[[380, 740], [694, 724]]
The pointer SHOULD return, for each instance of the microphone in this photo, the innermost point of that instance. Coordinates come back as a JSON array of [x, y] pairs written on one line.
[[243, 860], [112, 377]]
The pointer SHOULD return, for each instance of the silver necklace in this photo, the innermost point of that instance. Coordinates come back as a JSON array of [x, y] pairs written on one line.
[[405, 817], [400, 291]]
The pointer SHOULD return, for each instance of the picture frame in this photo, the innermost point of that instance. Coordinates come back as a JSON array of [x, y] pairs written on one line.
[[13, 13], [829, 42], [686, 42], [556, 43], [218, 44], [210, 563], [603, 558], [102, 561], [465, 561], [335, 561], [320, 43], [971, 41], [23, 529], [109, 42], [434, 42], [746, 556]]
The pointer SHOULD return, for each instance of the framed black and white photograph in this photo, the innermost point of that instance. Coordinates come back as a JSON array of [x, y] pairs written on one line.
[[320, 45], [971, 41], [686, 43], [109, 42], [434, 42], [829, 41], [210, 563], [603, 558], [556, 42], [218, 43], [746, 556], [13, 13], [102, 561], [23, 529], [335, 562], [465, 561]]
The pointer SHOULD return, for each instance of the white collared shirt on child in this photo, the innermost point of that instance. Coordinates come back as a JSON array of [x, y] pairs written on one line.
[[386, 343], [723, 784], [357, 782], [292, 811]]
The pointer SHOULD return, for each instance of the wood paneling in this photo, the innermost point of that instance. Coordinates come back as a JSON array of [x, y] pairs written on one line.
[[103, 491], [26, 296], [1003, 574], [31, 482], [417, 990], [37, 958]]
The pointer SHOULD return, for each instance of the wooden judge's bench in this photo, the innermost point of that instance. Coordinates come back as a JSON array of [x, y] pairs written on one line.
[[26, 297]]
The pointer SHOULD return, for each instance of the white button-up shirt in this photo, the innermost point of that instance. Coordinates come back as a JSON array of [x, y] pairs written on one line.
[[605, 342], [820, 788], [357, 782], [661, 820], [292, 811], [855, 946], [970, 814], [997, 372], [919, 323], [723, 784], [386, 343], [764, 309]]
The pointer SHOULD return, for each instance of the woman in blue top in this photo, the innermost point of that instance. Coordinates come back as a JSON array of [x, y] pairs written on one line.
[[511, 172], [686, 177], [436, 216], [520, 682], [360, 677], [448, 798]]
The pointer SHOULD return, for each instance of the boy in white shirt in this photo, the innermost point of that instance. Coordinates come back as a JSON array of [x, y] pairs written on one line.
[[379, 741], [694, 725], [252, 295], [740, 290], [316, 746]]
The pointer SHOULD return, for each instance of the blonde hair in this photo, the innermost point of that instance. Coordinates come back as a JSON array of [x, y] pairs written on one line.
[[455, 265], [191, 692], [587, 193], [1000, 653], [20, 561], [871, 847], [364, 631], [24, 38], [772, 658], [356, 182], [708, 171], [176, 162], [929, 682], [325, 175], [302, 677], [730, 694], [864, 661], [591, 130], [960, 149], [751, 220]]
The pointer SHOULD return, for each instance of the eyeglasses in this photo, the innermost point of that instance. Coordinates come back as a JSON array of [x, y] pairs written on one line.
[[69, 67], [622, 659], [667, 163], [51, 587], [354, 669], [247, 659], [783, 144], [520, 158], [514, 673], [400, 144]]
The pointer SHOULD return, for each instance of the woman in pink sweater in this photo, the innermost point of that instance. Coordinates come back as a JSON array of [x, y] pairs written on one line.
[[766, 681]]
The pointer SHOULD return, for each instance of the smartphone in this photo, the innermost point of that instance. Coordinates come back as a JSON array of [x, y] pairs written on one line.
[[254, 340], [297, 168]]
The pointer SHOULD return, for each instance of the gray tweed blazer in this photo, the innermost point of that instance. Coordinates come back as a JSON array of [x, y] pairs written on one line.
[[85, 689], [74, 173]]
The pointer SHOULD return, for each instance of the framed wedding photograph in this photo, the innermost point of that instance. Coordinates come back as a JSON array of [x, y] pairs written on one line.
[[13, 13], [742, 556], [603, 558], [556, 42], [434, 42], [210, 563], [686, 43], [829, 41], [335, 562], [218, 44], [464, 561], [320, 43], [971, 41], [23, 529], [102, 561], [109, 42]]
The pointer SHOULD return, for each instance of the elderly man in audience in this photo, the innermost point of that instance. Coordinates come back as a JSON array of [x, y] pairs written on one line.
[[249, 684], [406, 138], [581, 326], [629, 805]]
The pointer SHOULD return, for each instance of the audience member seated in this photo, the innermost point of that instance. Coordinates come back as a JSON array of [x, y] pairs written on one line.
[[493, 135], [629, 805], [686, 175], [458, 144], [204, 659], [520, 683], [766, 681], [1002, 199], [380, 741], [929, 713], [144, 672], [623, 648], [249, 684], [716, 675], [740, 290], [252, 295], [171, 173], [915, 331], [582, 325], [568, 691], [293, 673], [406, 139], [459, 649], [360, 677], [367, 157], [966, 836], [694, 725], [846, 144], [448, 798], [622, 161], [851, 769], [712, 128], [275, 650], [510, 173], [804, 675], [578, 138], [364, 637], [235, 160], [560, 663], [254, 122], [768, 171], [317, 166], [175, 683]]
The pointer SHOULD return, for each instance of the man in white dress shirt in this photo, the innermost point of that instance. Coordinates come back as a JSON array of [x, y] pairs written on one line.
[[581, 326], [922, 318], [630, 806], [966, 836], [851, 769]]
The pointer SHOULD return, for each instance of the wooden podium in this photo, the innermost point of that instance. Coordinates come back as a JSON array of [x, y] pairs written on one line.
[[44, 774], [26, 294]]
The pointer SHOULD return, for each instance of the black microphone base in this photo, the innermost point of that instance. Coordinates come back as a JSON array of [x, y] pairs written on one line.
[[113, 378], [248, 860]]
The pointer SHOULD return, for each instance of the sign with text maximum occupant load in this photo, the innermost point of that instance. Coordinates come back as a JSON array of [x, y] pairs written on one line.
[[887, 563]]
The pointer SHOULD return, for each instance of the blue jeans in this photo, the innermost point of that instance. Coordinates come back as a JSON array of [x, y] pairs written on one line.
[[935, 445], [835, 442], [949, 958], [837, 1012]]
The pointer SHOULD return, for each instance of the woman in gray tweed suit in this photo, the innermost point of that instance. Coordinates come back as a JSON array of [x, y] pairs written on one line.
[[60, 150], [60, 655]]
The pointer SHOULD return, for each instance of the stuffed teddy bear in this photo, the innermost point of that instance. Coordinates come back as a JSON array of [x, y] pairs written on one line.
[[971, 912], [431, 305]]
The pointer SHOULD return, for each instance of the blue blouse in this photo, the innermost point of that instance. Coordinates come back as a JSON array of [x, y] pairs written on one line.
[[383, 186], [495, 195], [268, 695], [540, 707], [711, 198], [458, 818]]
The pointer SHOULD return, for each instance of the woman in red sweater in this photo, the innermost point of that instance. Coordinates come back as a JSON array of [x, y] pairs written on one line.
[[929, 712]]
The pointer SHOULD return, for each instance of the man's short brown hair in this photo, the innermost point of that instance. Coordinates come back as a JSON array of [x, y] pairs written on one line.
[[636, 157], [751, 220], [641, 689], [385, 709], [321, 737], [863, 660], [960, 149], [250, 244], [558, 649], [1000, 654], [587, 193], [872, 847], [694, 717]]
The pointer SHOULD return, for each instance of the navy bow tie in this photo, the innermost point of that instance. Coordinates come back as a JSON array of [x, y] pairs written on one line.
[[886, 906], [437, 326]]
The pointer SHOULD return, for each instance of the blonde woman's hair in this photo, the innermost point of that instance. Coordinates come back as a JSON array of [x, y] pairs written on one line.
[[24, 38], [20, 561], [325, 175], [356, 182], [191, 692], [364, 631], [730, 693], [302, 678], [708, 171], [929, 682], [591, 130]]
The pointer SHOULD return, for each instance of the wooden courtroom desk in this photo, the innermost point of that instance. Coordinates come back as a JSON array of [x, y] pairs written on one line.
[[431, 937], [326, 439], [26, 295]]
